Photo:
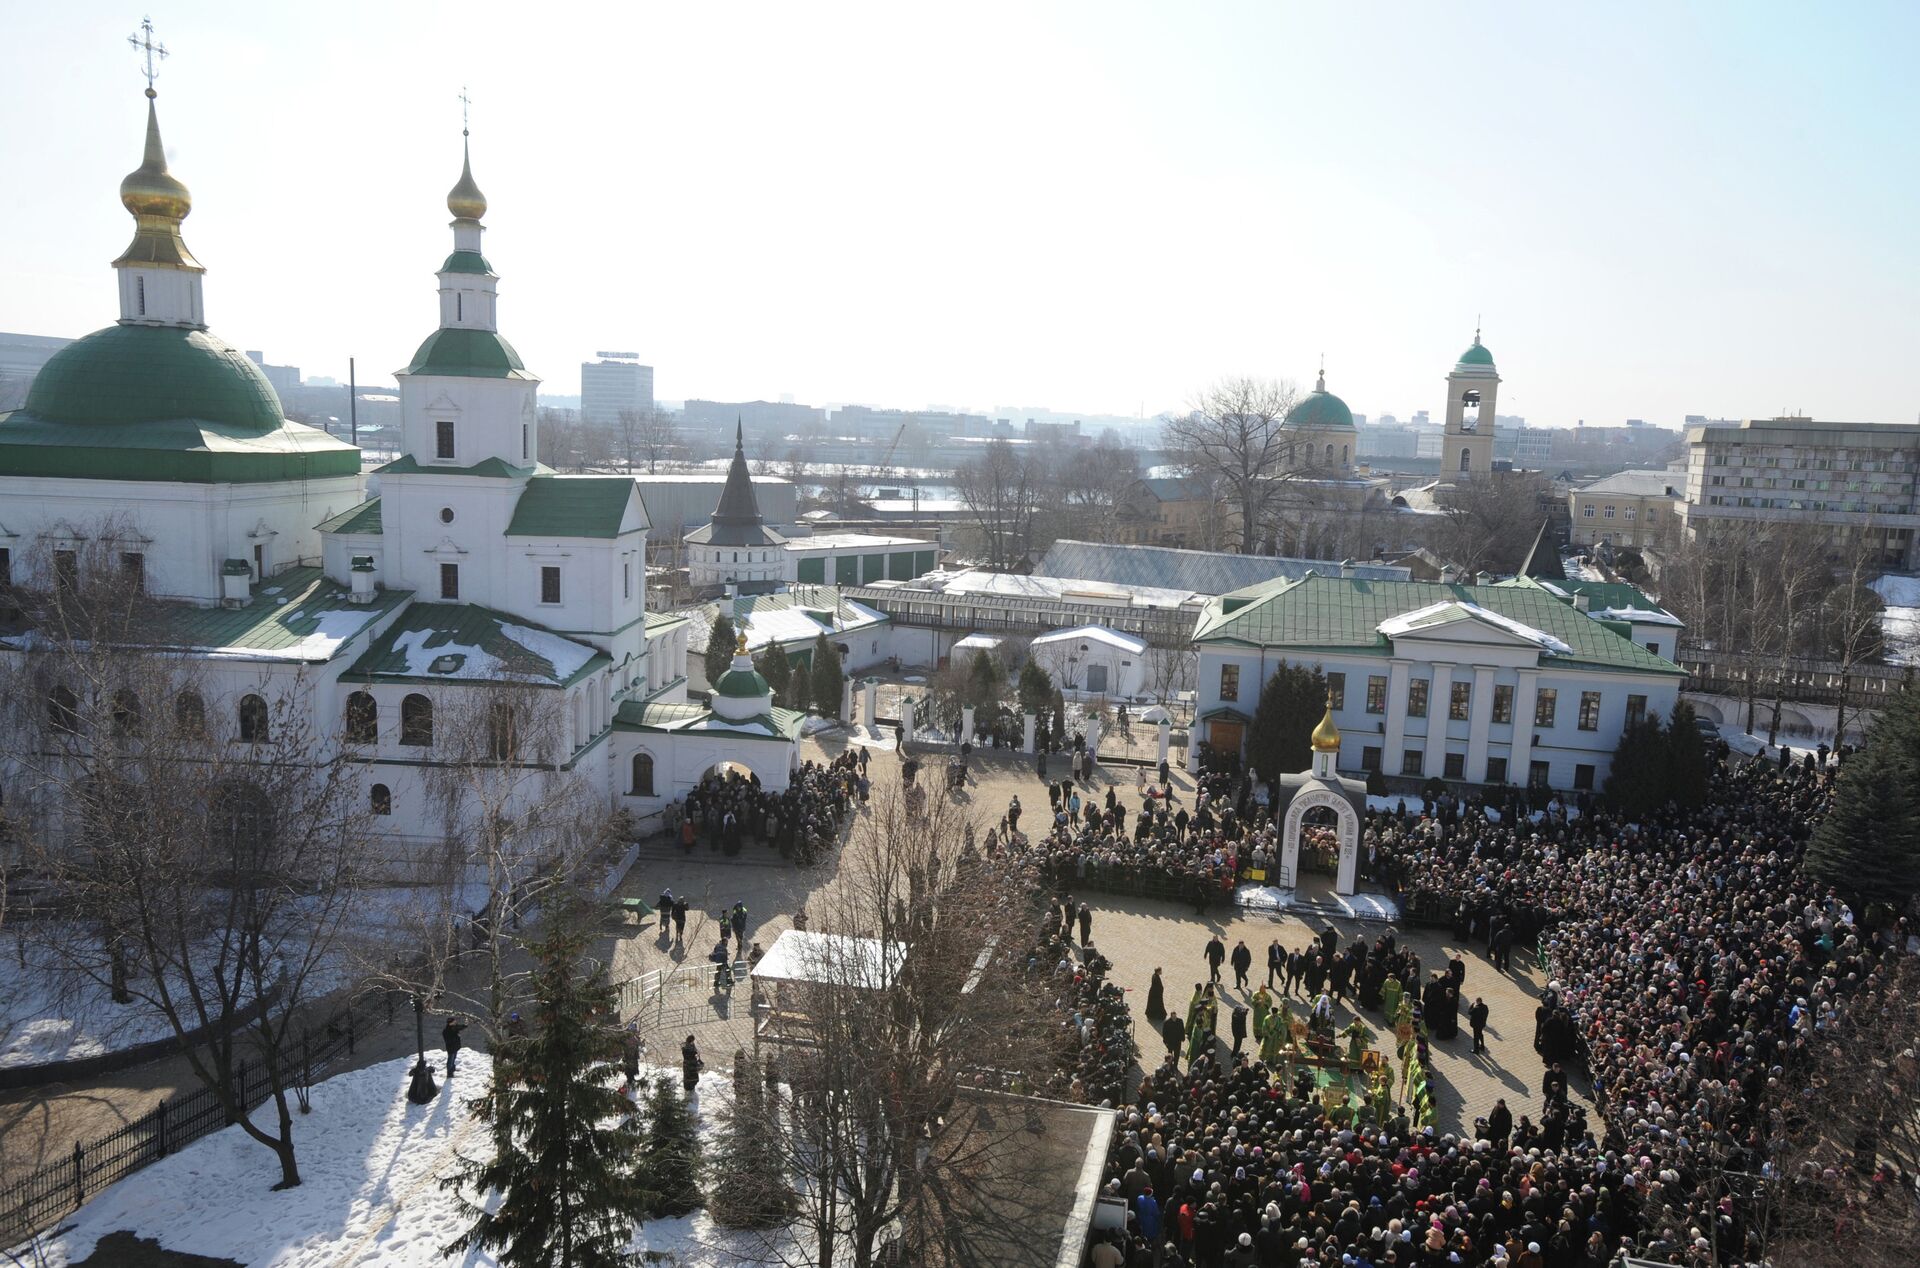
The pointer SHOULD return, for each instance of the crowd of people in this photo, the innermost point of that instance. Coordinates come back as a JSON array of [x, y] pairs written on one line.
[[1692, 967], [729, 806]]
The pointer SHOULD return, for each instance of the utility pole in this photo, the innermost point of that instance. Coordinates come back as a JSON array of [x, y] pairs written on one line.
[[353, 404]]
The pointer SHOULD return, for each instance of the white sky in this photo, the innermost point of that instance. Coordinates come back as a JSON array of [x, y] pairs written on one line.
[[1659, 209]]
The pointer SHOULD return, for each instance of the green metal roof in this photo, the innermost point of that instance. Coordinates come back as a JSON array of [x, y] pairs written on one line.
[[571, 506], [1329, 614], [1321, 409], [364, 518], [1477, 354], [453, 642], [775, 724], [180, 450], [467, 354], [140, 374], [742, 684], [491, 468], [664, 620], [297, 615], [467, 262]]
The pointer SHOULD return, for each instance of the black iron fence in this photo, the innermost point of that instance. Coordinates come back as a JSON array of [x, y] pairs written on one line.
[[37, 1200]]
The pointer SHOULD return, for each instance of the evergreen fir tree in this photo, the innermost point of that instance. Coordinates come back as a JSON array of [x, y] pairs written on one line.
[[1640, 779], [1035, 691], [670, 1156], [1868, 846], [563, 1154], [1688, 766], [720, 645], [1291, 704], [774, 665], [828, 681], [749, 1187]]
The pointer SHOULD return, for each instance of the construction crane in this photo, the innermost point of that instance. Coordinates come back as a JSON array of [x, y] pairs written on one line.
[[886, 463]]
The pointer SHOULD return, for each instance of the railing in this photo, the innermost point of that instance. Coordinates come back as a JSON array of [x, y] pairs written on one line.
[[1799, 678], [1024, 614], [663, 997], [37, 1200]]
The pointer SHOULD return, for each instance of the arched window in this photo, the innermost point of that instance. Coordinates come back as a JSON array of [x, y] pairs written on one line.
[[363, 719], [503, 732], [63, 709], [382, 800], [416, 720], [582, 724], [642, 775], [253, 720], [128, 718], [190, 713], [1466, 458], [1343, 455], [1329, 453], [243, 827]]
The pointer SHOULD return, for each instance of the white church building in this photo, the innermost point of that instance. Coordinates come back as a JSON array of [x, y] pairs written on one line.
[[382, 601]]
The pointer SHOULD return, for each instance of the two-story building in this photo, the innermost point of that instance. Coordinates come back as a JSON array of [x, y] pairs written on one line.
[[1517, 682]]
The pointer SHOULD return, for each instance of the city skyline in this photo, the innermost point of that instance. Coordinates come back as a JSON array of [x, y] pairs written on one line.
[[1035, 206]]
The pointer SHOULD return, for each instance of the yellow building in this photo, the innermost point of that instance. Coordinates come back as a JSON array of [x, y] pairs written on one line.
[[1627, 508]]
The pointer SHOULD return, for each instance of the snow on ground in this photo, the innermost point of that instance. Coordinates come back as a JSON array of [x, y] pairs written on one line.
[[815, 724], [1756, 746], [369, 1164]]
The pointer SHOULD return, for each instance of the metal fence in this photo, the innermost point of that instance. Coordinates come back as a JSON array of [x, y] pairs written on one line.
[[670, 998], [37, 1200]]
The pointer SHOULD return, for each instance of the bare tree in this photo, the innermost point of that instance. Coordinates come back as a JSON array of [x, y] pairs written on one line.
[[205, 837], [1235, 435], [1171, 671], [647, 435], [1088, 487], [920, 995], [1001, 488], [1490, 524]]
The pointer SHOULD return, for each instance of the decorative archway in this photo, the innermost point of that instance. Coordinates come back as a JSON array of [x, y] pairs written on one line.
[[1346, 825]]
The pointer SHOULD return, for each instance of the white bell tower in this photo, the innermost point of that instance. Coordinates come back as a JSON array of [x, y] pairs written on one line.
[[1472, 391]]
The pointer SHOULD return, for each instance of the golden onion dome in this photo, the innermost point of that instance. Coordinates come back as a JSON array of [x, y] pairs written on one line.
[[151, 190], [1326, 736], [465, 200]]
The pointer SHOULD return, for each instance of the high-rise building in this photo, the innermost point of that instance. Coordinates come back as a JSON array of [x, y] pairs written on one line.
[[613, 385]]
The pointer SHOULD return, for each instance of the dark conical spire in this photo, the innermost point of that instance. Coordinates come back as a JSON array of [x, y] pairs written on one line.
[[738, 506]]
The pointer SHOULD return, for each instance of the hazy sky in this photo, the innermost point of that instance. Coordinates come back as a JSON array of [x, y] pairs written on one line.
[[1660, 209]]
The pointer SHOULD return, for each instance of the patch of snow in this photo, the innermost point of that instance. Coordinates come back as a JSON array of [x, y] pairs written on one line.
[[1095, 634], [814, 725], [1411, 624], [1898, 592], [370, 1164], [915, 679]]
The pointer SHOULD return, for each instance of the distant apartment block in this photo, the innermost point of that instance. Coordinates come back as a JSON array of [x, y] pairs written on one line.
[[1856, 481], [614, 385]]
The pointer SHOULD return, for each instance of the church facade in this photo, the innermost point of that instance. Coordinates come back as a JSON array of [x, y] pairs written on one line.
[[463, 603]]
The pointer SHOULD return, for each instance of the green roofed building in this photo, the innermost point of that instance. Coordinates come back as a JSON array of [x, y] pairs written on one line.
[[1521, 682]]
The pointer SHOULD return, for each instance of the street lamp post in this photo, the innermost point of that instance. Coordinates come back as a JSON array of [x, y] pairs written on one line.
[[422, 1089]]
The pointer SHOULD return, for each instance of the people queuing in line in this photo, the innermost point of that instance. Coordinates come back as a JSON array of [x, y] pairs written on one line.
[[727, 808], [1693, 968]]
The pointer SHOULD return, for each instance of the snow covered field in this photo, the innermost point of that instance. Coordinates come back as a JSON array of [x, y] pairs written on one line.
[[370, 1162]]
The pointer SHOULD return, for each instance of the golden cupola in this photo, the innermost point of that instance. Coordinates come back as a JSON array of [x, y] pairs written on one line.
[[158, 202], [465, 200], [1326, 736]]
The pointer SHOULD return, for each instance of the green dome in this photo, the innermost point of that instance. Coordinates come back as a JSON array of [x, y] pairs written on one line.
[[743, 684], [464, 352], [143, 374], [1321, 408], [1477, 354]]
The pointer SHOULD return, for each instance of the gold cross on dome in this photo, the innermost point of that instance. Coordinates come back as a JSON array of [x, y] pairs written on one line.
[[144, 42], [465, 101]]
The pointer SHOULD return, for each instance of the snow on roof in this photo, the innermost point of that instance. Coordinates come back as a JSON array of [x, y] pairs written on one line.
[[1070, 588], [852, 541], [1637, 616], [925, 506], [1097, 634], [978, 642], [830, 959], [1898, 592], [1412, 623]]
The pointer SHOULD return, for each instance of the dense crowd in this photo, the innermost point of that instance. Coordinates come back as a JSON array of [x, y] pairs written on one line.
[[728, 807], [1692, 967]]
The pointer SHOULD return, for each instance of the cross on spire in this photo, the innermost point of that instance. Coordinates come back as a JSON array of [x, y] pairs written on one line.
[[465, 101], [144, 43]]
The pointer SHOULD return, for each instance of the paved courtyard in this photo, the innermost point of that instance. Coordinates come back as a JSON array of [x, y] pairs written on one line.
[[1136, 934]]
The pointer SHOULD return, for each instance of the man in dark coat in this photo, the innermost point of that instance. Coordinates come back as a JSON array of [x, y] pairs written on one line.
[[1173, 1032], [1239, 1027], [1086, 925], [450, 1036], [1500, 1124], [1276, 961], [1477, 1018], [1216, 953], [1242, 963]]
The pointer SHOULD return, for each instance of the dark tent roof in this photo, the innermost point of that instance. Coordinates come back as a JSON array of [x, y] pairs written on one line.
[[1543, 560], [736, 520]]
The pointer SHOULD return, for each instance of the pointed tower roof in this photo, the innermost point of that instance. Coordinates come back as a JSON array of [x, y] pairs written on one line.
[[1543, 561], [736, 520]]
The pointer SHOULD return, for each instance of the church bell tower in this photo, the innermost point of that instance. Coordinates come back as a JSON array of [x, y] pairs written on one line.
[[1472, 390]]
